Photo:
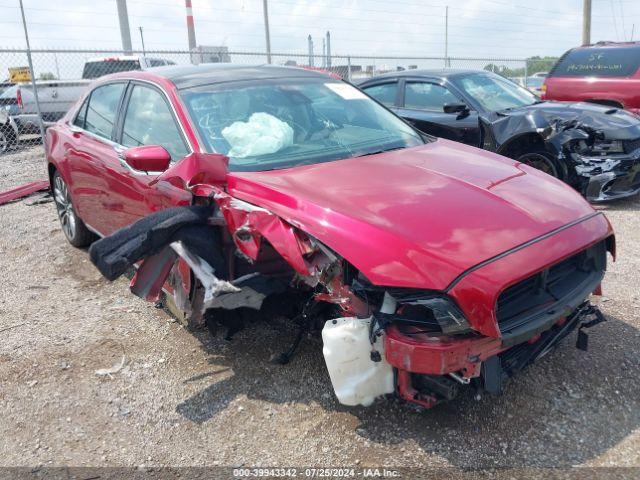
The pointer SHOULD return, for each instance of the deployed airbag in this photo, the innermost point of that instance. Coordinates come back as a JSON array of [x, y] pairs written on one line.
[[261, 135]]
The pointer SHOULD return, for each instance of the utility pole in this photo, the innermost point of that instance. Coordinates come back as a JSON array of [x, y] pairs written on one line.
[[125, 34], [446, 36], [328, 49], [142, 40], [265, 12], [191, 29], [586, 22]]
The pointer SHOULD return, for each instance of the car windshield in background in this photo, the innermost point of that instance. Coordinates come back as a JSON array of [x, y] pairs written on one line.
[[598, 62], [495, 93], [287, 123], [105, 67]]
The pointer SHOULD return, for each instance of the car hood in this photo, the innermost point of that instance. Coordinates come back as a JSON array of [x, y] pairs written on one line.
[[417, 217], [614, 123]]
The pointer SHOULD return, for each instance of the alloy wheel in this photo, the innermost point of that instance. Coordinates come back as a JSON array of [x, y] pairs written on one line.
[[540, 162], [65, 207]]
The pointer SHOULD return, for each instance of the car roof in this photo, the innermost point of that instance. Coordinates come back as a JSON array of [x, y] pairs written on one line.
[[438, 72], [187, 76]]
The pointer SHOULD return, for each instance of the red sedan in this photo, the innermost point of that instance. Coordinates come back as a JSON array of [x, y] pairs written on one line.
[[428, 264]]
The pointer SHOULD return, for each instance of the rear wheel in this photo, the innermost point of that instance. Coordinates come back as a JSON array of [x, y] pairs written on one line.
[[72, 226], [544, 162]]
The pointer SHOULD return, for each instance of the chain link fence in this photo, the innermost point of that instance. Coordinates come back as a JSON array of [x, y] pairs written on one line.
[[61, 76]]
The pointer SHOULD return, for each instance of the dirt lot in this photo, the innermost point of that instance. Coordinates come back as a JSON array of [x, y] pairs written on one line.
[[187, 398]]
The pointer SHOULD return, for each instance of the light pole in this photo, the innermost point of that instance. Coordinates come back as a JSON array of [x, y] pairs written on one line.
[[586, 22], [33, 73], [265, 11]]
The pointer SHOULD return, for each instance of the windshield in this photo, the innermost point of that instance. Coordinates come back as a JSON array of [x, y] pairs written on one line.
[[598, 62], [290, 122], [495, 93], [535, 82]]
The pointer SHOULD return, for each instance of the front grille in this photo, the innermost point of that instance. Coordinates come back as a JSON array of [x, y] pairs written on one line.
[[566, 283]]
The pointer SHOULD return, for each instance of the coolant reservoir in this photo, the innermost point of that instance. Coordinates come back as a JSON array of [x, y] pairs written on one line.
[[356, 379]]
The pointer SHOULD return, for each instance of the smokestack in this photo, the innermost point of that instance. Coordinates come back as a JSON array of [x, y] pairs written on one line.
[[125, 34], [328, 49], [191, 31], [310, 41]]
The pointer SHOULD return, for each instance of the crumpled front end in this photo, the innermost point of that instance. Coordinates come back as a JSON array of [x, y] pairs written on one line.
[[605, 168]]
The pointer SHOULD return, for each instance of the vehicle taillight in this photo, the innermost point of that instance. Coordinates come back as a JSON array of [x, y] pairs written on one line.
[[19, 98], [543, 90]]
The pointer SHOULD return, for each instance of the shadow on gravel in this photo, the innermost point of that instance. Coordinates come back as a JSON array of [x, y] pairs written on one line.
[[570, 407]]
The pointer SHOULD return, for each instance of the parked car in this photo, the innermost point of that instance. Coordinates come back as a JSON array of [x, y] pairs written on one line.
[[593, 148], [19, 106], [605, 73], [99, 66], [428, 264]]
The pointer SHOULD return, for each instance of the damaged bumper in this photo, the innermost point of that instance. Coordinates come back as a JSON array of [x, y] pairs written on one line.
[[430, 370], [606, 179]]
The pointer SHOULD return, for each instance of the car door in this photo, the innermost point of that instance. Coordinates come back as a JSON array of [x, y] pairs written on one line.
[[422, 104], [146, 119], [91, 148]]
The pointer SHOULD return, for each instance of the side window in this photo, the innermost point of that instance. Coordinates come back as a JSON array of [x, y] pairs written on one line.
[[81, 115], [427, 96], [149, 121], [102, 111], [384, 93]]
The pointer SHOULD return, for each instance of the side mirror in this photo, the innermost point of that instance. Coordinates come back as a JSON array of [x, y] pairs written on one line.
[[455, 108], [148, 158]]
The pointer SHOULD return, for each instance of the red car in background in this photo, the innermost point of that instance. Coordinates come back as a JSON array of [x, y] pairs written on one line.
[[607, 73], [435, 264]]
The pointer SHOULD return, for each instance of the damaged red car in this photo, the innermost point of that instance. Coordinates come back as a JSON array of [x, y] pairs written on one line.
[[241, 191]]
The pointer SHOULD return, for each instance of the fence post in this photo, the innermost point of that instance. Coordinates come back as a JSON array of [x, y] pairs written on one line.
[[33, 75], [526, 71], [349, 68]]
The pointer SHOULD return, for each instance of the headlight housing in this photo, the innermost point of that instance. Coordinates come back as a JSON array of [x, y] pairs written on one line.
[[441, 309], [427, 313]]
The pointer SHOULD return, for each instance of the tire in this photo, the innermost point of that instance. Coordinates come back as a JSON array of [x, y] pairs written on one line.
[[7, 139], [544, 161], [72, 225]]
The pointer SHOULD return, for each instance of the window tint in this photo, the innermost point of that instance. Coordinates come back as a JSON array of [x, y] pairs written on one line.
[[385, 93], [149, 121], [103, 109], [427, 96], [82, 113], [104, 67], [598, 62]]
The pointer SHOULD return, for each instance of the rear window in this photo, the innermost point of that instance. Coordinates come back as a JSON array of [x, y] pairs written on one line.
[[598, 62], [105, 67]]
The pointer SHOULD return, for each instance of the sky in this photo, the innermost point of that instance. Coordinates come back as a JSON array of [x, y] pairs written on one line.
[[477, 28]]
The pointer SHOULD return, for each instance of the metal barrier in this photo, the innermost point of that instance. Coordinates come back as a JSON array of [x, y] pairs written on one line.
[[62, 75]]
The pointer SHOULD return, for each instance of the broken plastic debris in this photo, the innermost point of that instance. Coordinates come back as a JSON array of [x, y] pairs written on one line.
[[261, 135], [213, 285], [103, 372]]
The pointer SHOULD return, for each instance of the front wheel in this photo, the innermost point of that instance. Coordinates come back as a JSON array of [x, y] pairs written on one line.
[[7, 139], [544, 162], [72, 226]]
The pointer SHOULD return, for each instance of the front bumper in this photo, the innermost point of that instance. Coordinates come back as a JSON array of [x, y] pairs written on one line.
[[419, 356], [605, 179]]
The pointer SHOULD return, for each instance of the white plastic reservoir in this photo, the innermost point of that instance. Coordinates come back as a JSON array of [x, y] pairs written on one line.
[[356, 379]]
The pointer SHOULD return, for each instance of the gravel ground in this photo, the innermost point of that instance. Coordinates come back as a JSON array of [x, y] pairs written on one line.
[[186, 398]]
